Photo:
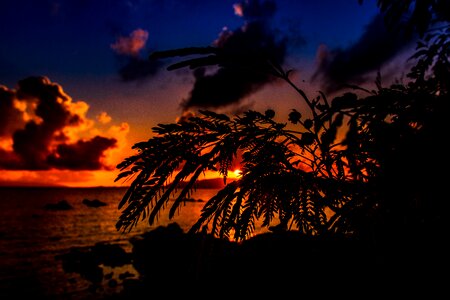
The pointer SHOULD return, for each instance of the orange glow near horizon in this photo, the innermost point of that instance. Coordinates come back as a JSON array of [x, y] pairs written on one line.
[[65, 178], [69, 178], [237, 173]]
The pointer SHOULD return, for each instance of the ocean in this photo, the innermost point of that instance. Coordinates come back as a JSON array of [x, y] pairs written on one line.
[[33, 236]]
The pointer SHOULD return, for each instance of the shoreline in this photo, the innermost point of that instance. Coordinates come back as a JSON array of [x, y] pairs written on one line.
[[284, 261]]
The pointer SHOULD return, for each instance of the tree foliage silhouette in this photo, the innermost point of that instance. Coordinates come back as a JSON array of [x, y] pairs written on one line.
[[361, 166]]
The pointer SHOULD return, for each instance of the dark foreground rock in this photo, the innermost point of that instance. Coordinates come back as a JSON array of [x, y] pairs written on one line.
[[172, 263]]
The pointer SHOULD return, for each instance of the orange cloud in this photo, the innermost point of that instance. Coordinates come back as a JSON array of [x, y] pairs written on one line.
[[104, 118], [238, 9], [41, 128], [132, 44], [12, 112]]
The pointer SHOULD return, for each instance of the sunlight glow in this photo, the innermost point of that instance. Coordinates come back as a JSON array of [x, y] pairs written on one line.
[[237, 172]]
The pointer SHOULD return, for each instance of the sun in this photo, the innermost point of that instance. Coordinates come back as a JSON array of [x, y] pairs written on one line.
[[237, 172]]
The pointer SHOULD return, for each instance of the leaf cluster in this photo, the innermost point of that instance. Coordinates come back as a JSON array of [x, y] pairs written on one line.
[[329, 170]]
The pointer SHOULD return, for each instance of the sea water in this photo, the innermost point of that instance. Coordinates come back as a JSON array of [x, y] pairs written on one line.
[[32, 237]]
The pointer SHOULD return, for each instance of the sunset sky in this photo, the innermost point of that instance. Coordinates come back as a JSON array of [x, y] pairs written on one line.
[[77, 89]]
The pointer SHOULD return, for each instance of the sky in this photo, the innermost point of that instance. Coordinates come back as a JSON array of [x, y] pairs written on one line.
[[77, 87]]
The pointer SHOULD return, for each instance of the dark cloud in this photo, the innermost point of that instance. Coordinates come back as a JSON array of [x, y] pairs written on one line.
[[377, 46], [83, 155], [10, 161], [35, 119], [231, 83], [293, 33], [32, 145], [128, 50], [11, 118], [252, 10], [136, 68]]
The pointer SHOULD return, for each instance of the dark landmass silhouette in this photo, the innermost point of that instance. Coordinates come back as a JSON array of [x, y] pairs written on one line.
[[93, 203], [211, 183], [18, 184], [61, 205]]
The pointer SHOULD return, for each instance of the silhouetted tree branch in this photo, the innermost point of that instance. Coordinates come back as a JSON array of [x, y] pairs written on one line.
[[351, 166]]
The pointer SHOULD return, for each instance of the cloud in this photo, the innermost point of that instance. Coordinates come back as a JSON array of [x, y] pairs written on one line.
[[104, 118], [128, 50], [254, 10], [41, 128], [377, 46], [135, 68], [132, 44], [11, 113], [82, 155], [231, 83]]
